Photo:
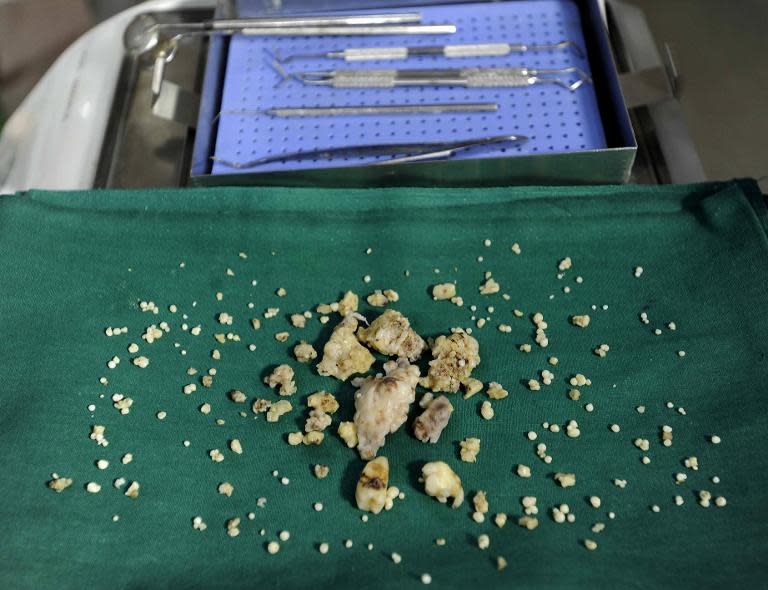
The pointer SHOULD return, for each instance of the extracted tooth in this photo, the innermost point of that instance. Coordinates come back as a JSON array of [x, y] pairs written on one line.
[[348, 433], [430, 424], [481, 502], [59, 484], [282, 375], [317, 421], [343, 355], [324, 401], [496, 391], [371, 491], [455, 357], [391, 334], [348, 304], [582, 321], [443, 291], [565, 480], [471, 387], [277, 409], [442, 483], [489, 287], [304, 352], [382, 404], [393, 493], [469, 448]]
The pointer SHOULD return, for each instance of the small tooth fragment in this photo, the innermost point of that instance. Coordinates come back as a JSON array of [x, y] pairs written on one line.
[[443, 291], [59, 484], [565, 479], [528, 522], [581, 321]]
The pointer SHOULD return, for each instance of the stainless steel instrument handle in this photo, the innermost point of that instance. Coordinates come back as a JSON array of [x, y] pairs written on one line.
[[373, 53], [478, 107], [477, 50], [387, 53], [383, 78], [351, 30], [300, 21], [497, 77], [354, 54], [468, 77], [363, 79]]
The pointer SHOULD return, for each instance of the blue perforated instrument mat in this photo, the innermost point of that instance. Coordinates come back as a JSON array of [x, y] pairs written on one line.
[[555, 119]]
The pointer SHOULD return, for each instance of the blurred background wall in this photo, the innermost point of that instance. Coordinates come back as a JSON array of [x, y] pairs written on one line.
[[34, 32]]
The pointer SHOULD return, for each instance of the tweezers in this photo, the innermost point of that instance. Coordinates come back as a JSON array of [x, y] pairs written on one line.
[[412, 152]]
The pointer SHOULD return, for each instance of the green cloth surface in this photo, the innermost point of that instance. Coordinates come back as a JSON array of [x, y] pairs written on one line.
[[74, 263]]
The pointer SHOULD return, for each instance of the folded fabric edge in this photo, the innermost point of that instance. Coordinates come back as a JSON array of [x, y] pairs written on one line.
[[296, 199]]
